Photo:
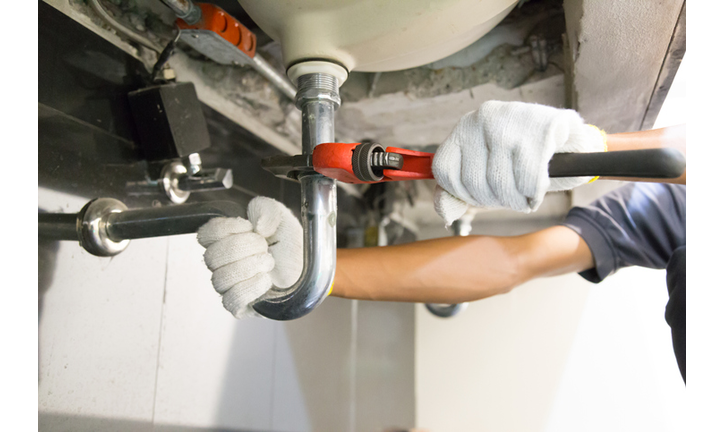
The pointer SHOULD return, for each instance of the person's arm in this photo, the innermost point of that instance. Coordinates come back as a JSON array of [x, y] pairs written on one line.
[[670, 137], [457, 269]]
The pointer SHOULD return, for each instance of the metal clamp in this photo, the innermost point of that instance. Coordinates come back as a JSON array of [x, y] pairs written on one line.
[[180, 178], [92, 227], [223, 39]]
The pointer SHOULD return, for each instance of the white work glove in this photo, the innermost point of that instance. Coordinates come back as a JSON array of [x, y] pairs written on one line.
[[497, 157], [247, 257]]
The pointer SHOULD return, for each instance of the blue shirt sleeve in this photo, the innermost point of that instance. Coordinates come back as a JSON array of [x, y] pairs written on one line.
[[639, 224]]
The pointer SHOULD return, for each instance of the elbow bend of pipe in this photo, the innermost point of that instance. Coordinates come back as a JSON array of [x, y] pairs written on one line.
[[319, 214], [445, 311], [299, 299], [121, 28]]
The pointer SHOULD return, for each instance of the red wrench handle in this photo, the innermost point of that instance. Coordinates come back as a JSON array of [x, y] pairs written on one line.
[[334, 160], [415, 165]]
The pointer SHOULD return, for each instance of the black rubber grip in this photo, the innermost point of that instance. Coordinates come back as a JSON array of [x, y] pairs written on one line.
[[650, 163]]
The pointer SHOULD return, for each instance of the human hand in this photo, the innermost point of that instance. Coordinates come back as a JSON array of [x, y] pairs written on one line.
[[248, 257], [497, 157]]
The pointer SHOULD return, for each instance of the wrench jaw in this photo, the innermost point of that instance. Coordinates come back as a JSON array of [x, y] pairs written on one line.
[[288, 167], [334, 160], [356, 163]]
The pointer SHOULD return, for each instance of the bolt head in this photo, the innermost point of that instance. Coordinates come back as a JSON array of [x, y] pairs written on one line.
[[168, 74]]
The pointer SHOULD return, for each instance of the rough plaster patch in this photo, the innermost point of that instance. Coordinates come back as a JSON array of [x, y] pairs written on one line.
[[231, 98], [573, 10], [513, 30], [398, 120], [622, 47]]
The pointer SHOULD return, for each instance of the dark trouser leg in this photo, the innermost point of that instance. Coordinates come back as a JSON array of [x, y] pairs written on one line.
[[676, 308]]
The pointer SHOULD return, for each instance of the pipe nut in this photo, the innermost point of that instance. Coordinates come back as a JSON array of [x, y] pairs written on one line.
[[92, 227]]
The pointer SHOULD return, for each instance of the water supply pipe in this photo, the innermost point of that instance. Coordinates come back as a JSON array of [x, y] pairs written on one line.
[[184, 9], [122, 29]]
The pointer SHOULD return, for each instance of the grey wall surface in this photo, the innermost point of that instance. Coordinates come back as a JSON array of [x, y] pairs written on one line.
[[617, 49]]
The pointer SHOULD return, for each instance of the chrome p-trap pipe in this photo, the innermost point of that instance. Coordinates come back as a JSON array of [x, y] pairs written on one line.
[[318, 98]]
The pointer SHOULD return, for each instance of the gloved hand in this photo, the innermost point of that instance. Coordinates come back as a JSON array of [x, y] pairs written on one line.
[[497, 157], [247, 257]]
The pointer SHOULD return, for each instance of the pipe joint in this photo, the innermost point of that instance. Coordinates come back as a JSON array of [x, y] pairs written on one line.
[[92, 227], [317, 87], [185, 9]]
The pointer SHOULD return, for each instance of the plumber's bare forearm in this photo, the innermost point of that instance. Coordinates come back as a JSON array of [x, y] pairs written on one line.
[[669, 137], [457, 269]]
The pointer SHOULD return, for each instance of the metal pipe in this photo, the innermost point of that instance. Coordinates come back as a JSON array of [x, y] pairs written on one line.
[[166, 221], [57, 226], [462, 228], [120, 28], [184, 9], [318, 98], [104, 226], [277, 79]]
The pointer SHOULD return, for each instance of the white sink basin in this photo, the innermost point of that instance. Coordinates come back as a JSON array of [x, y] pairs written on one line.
[[375, 35]]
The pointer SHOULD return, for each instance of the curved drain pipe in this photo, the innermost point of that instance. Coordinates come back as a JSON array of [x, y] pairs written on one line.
[[461, 227], [318, 98]]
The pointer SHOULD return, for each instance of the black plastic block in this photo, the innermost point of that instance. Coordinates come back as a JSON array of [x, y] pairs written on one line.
[[169, 121]]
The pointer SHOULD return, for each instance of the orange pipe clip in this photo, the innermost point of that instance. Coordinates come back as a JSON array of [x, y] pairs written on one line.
[[214, 19]]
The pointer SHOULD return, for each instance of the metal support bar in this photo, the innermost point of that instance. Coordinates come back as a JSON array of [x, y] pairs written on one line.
[[318, 98], [57, 226], [170, 220], [104, 226], [279, 80]]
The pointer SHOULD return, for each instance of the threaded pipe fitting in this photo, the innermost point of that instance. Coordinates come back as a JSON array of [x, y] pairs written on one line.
[[317, 87]]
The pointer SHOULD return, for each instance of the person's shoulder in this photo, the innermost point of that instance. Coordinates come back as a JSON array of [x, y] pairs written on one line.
[[646, 190]]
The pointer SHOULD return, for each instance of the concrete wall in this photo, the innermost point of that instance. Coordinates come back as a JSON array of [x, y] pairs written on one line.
[[618, 48]]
